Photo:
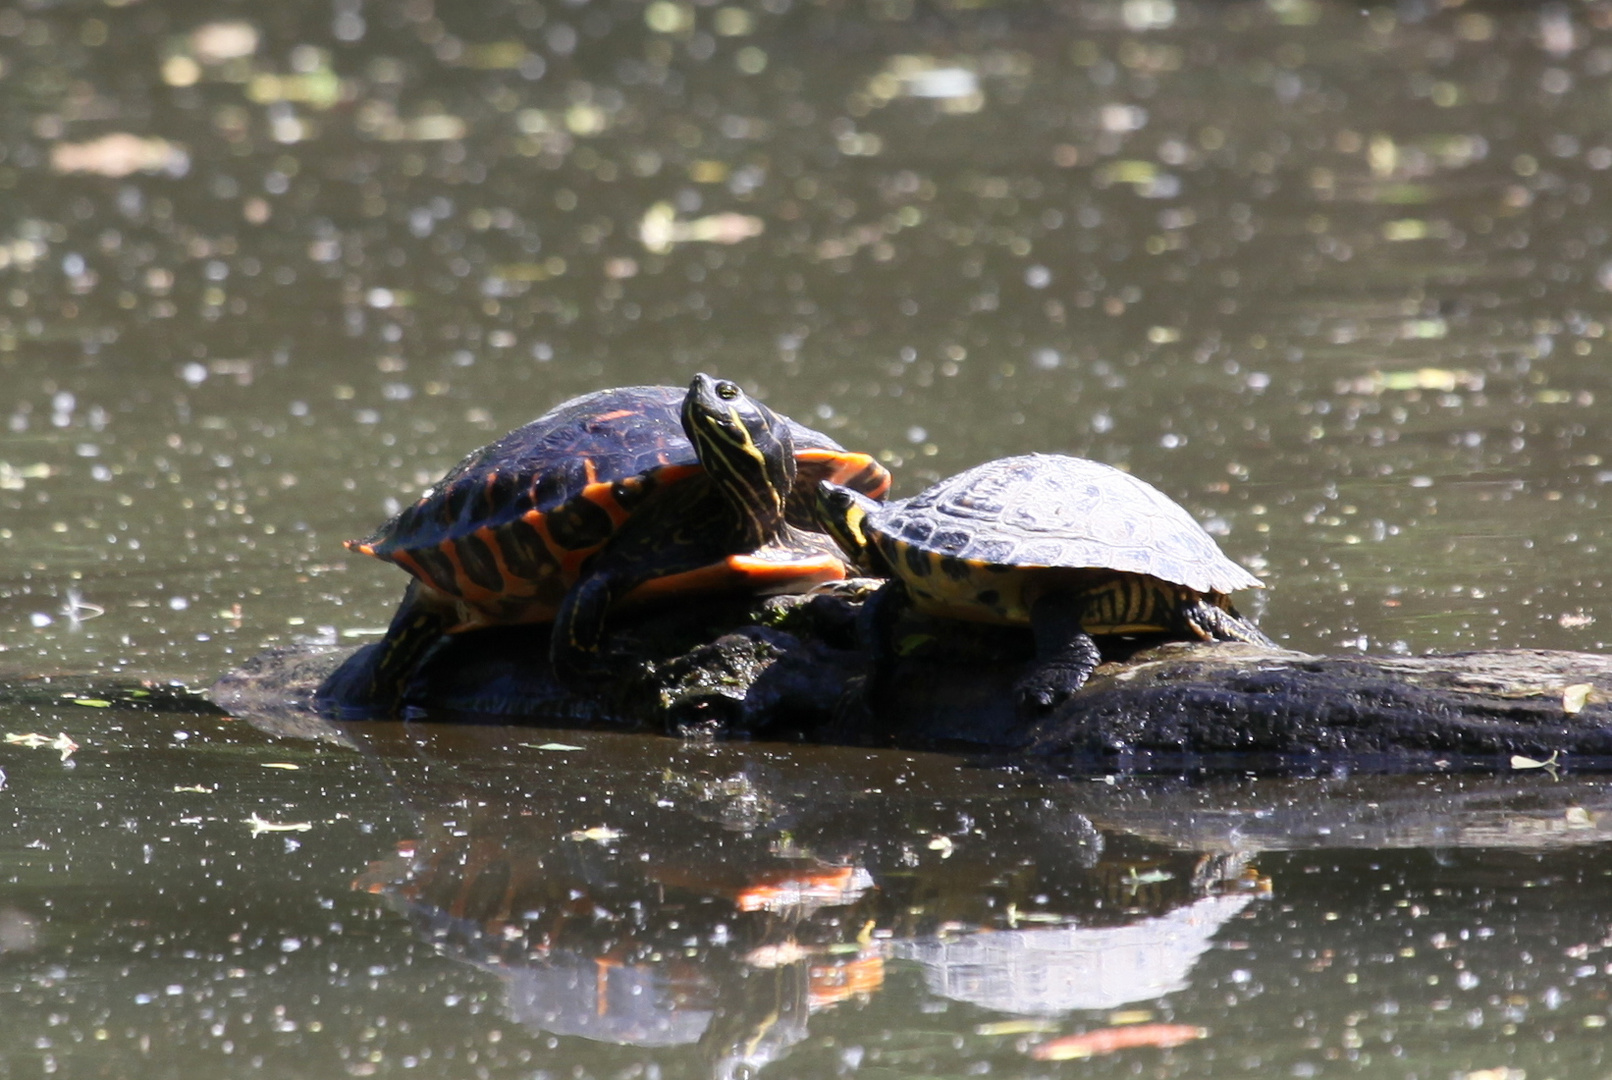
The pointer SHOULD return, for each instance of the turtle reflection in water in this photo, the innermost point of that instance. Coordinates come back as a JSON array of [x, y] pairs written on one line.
[[618, 497], [1071, 548]]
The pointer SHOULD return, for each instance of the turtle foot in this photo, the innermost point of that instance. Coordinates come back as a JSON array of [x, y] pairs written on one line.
[[1042, 691]]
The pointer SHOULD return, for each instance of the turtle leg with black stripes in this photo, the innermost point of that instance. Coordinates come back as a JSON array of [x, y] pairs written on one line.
[[1066, 654]]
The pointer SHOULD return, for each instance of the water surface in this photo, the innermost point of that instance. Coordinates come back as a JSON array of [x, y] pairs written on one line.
[[1333, 277]]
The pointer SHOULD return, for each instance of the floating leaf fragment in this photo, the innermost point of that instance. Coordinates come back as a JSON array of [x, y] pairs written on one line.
[[262, 825], [317, 89], [1025, 1026], [1108, 1040], [1575, 697], [93, 703], [120, 154], [280, 765], [599, 834], [494, 56], [35, 741], [1148, 877], [549, 746], [16, 477], [200, 789], [1129, 172], [1447, 380], [660, 230], [216, 42], [1520, 762]]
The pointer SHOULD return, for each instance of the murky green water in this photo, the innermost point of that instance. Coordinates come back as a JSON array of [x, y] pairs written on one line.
[[1335, 278]]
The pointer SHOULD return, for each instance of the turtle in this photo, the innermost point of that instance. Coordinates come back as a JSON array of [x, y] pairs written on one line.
[[634, 493], [1069, 547]]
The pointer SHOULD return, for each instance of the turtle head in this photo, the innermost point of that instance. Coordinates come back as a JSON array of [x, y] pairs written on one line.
[[745, 448], [842, 513]]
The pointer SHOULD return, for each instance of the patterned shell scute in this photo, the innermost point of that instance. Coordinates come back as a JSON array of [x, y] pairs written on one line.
[[623, 436], [1046, 510], [604, 436]]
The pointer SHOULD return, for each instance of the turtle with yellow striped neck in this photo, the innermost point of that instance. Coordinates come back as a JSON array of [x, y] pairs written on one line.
[[617, 498], [1068, 547]]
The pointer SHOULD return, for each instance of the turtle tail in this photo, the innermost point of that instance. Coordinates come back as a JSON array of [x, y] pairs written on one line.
[[1216, 620]]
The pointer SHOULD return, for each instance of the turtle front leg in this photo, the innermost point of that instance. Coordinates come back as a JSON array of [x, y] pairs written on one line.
[[1065, 654], [876, 627], [576, 647]]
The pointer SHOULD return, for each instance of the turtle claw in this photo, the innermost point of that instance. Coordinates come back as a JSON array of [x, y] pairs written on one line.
[[1039, 693]]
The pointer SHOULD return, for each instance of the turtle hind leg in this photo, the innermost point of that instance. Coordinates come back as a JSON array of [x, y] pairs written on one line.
[[1065, 655], [1222, 623], [415, 630]]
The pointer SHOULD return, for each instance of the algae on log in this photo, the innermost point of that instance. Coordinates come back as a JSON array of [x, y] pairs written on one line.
[[789, 668]]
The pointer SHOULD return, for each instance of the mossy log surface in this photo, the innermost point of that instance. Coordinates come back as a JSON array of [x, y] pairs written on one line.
[[790, 669]]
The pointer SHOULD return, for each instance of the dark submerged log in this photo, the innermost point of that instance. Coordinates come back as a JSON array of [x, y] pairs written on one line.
[[790, 669]]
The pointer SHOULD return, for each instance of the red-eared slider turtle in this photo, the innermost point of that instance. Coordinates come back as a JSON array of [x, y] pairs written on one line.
[[1068, 547], [634, 493]]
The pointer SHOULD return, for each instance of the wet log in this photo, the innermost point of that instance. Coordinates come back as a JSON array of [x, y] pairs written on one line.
[[791, 669], [1437, 710]]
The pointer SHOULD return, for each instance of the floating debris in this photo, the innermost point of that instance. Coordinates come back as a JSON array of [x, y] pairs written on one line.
[[809, 891], [1025, 1026], [120, 154], [1108, 1040], [216, 42], [262, 825], [1445, 380], [952, 85], [200, 789], [599, 834], [16, 477], [1501, 1072], [549, 746], [494, 56], [35, 741], [1551, 763], [280, 765], [660, 230], [1575, 697], [321, 89]]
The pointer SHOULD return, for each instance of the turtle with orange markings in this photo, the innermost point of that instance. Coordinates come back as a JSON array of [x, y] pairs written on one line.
[[614, 498]]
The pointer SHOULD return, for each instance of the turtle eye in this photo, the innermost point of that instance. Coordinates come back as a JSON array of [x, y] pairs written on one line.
[[727, 391]]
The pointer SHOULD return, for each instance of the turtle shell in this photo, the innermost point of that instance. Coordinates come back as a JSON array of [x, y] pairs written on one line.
[[1049, 511], [510, 527]]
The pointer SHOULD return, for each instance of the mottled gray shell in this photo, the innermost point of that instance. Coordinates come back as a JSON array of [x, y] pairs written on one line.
[[1046, 510]]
